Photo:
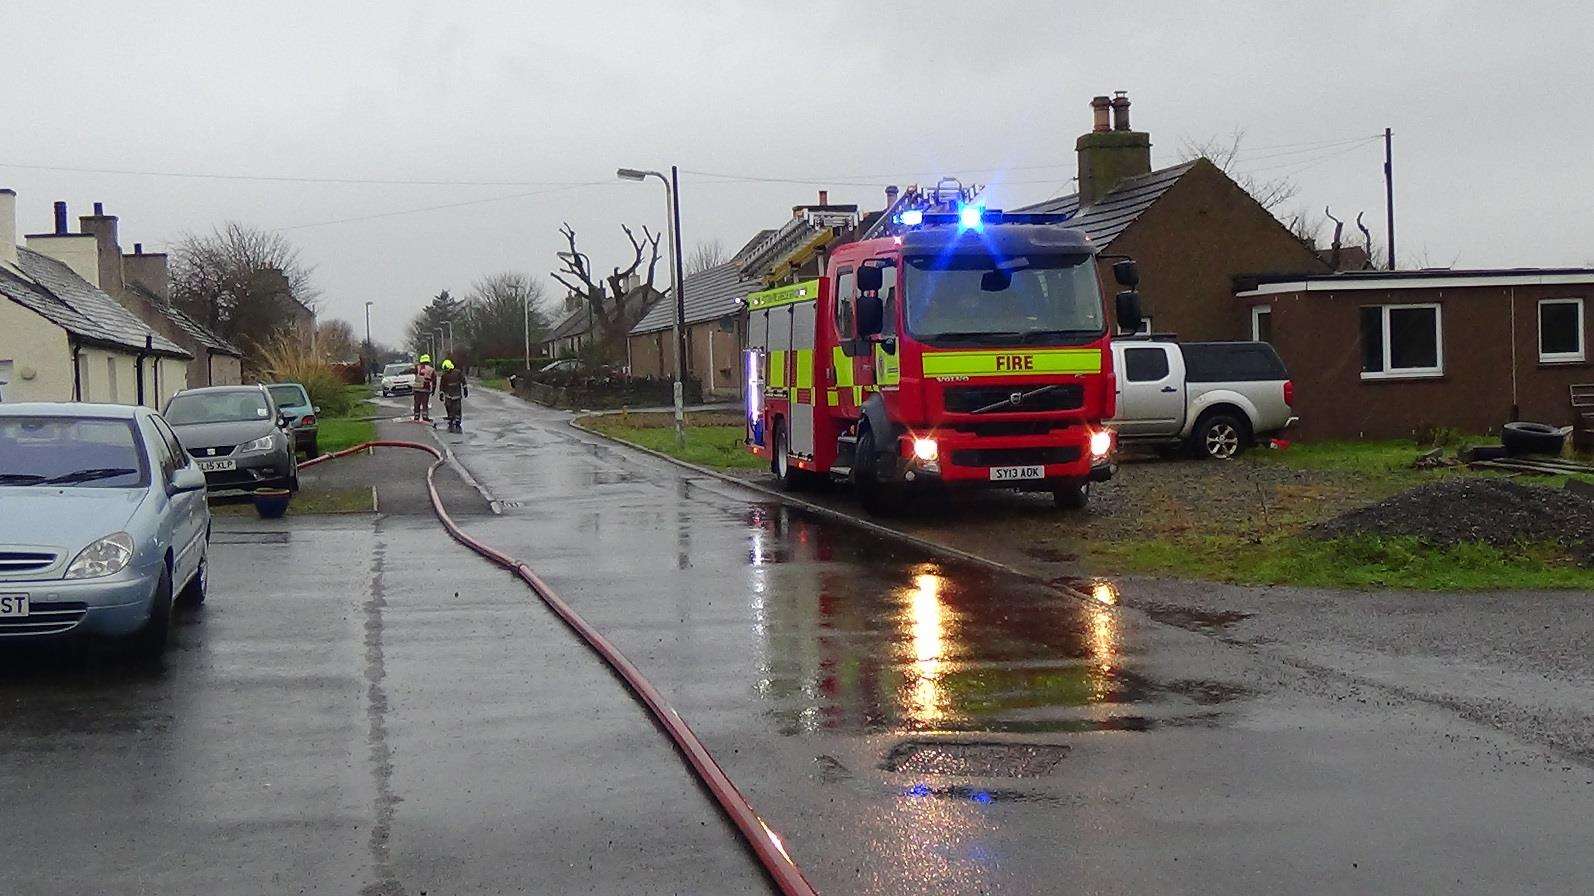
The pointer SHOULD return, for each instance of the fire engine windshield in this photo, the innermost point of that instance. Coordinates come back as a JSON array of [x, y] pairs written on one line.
[[984, 300]]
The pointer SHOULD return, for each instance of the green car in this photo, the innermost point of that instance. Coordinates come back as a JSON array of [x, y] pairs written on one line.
[[294, 402]]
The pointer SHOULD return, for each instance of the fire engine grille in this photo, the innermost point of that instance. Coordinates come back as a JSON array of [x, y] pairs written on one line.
[[1014, 457], [1008, 428], [968, 399]]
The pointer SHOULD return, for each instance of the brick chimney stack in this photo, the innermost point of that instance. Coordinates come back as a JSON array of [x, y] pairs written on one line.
[[103, 228], [149, 270], [8, 226], [1111, 151]]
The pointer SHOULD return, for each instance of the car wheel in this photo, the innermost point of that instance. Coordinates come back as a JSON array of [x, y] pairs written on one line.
[[149, 643], [195, 591], [293, 482], [1220, 436], [1073, 495]]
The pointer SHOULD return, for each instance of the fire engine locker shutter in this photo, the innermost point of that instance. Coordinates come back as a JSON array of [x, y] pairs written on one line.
[[802, 393]]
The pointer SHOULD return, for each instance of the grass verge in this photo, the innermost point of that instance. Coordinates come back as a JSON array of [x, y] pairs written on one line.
[[713, 439], [1352, 562]]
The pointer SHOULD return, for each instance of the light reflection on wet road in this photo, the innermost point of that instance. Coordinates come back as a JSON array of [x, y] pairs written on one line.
[[913, 724]]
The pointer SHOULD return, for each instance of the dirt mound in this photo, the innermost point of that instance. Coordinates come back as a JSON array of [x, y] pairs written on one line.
[[1494, 511]]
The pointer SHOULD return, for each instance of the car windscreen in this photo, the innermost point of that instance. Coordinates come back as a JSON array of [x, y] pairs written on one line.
[[89, 452], [398, 369], [981, 299], [217, 407], [1232, 362], [287, 395]]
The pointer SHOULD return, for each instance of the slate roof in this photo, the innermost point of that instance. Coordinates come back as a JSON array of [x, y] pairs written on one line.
[[711, 294], [198, 331], [1112, 214], [53, 291]]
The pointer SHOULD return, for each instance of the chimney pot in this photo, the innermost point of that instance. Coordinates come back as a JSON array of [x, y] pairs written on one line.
[[99, 208], [60, 218], [1099, 107], [824, 197], [1120, 111], [138, 248]]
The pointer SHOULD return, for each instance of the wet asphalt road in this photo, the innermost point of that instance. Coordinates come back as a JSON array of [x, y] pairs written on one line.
[[365, 708]]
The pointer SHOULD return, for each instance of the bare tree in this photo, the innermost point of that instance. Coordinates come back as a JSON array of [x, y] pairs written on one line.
[[577, 274], [496, 316], [242, 281], [706, 254], [335, 340], [1224, 152]]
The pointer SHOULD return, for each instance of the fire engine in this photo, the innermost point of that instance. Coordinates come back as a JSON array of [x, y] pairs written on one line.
[[962, 347]]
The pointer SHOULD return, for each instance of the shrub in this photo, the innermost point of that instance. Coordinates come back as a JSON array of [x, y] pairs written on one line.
[[288, 360]]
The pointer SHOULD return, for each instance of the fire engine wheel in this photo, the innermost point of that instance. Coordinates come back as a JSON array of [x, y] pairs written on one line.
[[878, 498], [1073, 495], [790, 477]]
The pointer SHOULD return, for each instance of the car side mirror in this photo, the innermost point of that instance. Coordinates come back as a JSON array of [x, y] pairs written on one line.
[[1127, 273], [1130, 315], [870, 278], [871, 314], [188, 479]]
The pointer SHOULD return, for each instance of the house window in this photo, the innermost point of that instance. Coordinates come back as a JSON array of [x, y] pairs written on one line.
[[1561, 330], [1145, 326], [1262, 324], [1401, 341]]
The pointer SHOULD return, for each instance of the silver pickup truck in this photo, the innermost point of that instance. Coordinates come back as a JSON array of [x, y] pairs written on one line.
[[1212, 399]]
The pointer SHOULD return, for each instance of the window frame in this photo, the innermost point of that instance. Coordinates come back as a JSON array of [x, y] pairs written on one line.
[[1167, 364], [1390, 372], [1576, 357]]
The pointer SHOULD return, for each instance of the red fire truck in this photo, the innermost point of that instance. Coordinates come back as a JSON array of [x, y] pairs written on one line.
[[968, 348]]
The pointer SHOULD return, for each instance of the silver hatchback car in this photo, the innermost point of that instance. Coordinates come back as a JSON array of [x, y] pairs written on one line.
[[103, 524]]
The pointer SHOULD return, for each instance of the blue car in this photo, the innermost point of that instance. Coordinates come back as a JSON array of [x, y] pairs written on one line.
[[103, 524], [293, 401]]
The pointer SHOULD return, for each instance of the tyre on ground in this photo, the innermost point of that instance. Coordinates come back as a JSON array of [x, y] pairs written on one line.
[[1522, 437], [790, 477], [194, 593]]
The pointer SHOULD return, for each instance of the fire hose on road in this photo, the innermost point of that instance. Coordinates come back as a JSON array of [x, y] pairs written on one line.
[[766, 846]]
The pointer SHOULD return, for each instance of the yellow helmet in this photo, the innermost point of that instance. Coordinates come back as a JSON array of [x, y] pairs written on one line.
[[447, 364], [425, 359]]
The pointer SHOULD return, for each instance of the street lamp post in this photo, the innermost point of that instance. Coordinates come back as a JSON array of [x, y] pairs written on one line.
[[673, 226], [367, 352], [448, 339]]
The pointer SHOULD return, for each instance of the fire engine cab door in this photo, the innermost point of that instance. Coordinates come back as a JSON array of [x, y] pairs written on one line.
[[887, 372]]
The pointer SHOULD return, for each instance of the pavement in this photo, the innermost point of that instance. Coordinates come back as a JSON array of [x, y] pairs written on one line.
[[365, 708]]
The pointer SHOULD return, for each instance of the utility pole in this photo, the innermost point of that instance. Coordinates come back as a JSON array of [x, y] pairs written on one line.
[[527, 303], [367, 353], [1389, 191], [678, 274]]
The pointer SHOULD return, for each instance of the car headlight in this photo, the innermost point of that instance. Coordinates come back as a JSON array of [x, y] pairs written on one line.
[[106, 557], [926, 449], [263, 443]]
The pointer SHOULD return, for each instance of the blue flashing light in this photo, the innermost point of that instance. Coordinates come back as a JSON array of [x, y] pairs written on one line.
[[971, 217], [982, 797], [919, 790], [913, 217]]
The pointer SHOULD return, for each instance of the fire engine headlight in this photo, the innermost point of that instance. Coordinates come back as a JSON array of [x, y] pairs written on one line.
[[926, 449], [1100, 442]]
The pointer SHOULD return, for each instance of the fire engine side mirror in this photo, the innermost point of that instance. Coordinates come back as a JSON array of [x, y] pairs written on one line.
[[1126, 272], [871, 312], [870, 278], [1130, 315]]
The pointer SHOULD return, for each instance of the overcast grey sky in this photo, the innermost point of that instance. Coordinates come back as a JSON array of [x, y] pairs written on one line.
[[1490, 103]]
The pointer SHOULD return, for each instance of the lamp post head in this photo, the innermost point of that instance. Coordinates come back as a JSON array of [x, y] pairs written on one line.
[[631, 174]]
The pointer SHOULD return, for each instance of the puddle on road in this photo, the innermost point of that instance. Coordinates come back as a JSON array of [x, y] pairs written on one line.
[[1193, 618], [863, 634], [974, 759]]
